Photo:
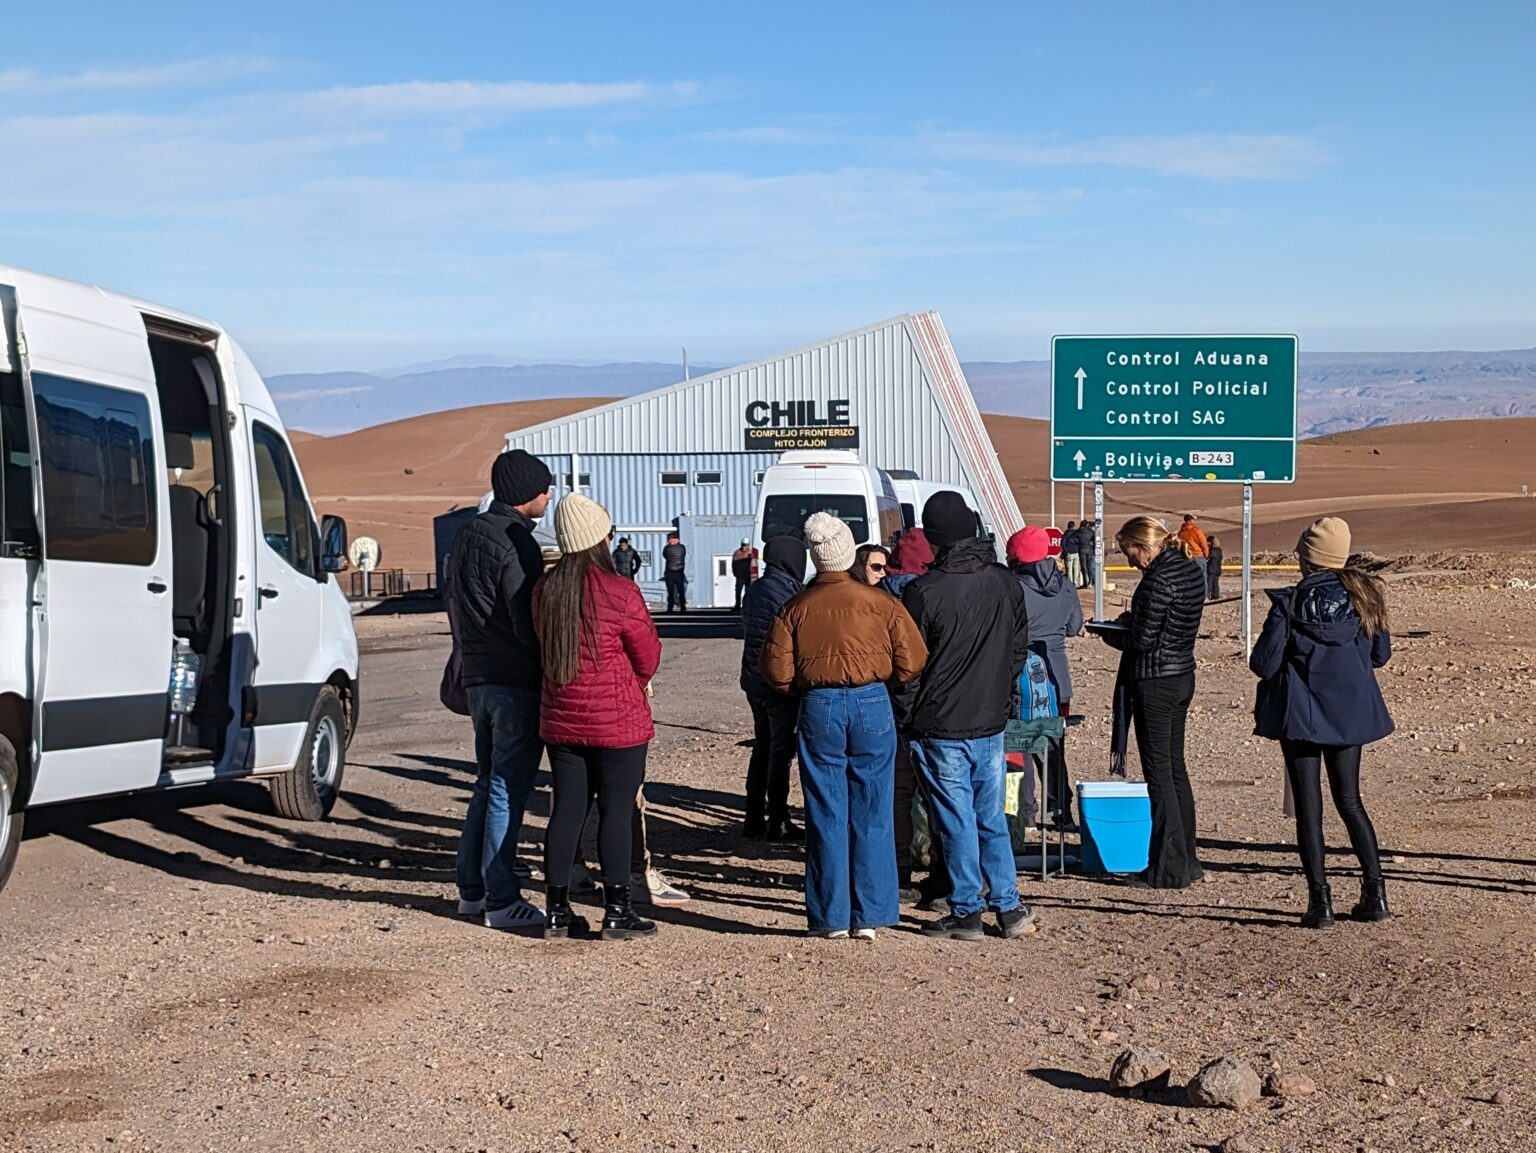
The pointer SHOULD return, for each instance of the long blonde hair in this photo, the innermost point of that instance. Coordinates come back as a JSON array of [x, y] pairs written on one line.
[[1151, 533]]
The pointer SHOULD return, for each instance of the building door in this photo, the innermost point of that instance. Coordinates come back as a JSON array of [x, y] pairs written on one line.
[[725, 583]]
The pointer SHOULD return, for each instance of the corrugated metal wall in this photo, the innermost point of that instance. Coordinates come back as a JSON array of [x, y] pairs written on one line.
[[906, 393]]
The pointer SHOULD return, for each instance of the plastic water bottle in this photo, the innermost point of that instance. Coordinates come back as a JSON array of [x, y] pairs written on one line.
[[186, 670]]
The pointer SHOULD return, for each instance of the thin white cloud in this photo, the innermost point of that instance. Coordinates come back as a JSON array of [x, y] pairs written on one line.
[[200, 72], [448, 97], [1208, 156], [771, 134]]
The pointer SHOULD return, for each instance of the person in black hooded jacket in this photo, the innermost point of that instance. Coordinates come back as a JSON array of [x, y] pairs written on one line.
[[970, 611], [774, 715], [493, 568], [1154, 689]]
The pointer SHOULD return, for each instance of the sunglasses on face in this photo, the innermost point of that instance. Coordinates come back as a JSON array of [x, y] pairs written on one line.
[[875, 567]]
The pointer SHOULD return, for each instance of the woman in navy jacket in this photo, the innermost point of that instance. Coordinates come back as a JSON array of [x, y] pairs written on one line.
[[1317, 655]]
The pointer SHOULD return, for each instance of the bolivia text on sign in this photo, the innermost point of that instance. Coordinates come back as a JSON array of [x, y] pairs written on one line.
[[1214, 408]]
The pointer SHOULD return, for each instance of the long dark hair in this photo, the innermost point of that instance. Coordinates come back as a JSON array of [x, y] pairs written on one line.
[[564, 621], [860, 568], [1369, 596]]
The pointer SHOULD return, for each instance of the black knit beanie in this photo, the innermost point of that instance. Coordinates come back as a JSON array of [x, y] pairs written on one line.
[[518, 477], [947, 519]]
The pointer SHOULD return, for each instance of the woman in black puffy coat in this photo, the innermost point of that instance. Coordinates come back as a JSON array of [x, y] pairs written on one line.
[[1154, 689]]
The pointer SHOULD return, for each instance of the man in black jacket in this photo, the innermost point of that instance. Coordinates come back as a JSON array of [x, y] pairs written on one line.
[[674, 574], [626, 561], [495, 563], [971, 612], [774, 715]]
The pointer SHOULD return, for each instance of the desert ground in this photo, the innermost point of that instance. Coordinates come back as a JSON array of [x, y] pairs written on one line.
[[1449, 487], [188, 972]]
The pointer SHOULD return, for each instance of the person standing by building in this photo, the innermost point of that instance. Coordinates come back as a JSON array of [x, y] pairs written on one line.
[[1213, 562], [626, 561], [743, 560], [494, 565], [1194, 536], [1087, 549], [774, 714], [1071, 546], [674, 572], [1318, 652], [839, 643], [1154, 688], [1055, 613], [970, 613], [600, 651]]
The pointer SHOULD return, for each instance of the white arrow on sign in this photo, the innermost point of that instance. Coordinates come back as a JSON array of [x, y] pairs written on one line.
[[1081, 376], [1078, 458]]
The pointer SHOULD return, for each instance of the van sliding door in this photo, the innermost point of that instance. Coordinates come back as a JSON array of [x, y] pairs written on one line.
[[102, 604]]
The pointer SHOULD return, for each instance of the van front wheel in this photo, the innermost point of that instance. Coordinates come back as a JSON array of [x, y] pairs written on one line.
[[309, 790], [10, 810]]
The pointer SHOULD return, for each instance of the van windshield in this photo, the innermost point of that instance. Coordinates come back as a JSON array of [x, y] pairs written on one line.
[[785, 515]]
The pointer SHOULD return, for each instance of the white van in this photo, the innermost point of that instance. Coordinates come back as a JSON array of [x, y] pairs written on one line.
[[167, 614], [804, 481], [913, 493]]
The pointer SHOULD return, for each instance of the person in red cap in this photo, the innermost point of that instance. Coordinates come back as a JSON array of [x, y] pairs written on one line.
[[1055, 613]]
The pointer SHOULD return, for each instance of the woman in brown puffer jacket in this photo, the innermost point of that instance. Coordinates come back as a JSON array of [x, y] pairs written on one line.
[[839, 643]]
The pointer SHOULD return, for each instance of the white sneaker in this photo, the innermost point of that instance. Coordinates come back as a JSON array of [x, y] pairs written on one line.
[[863, 934], [654, 887], [519, 916], [471, 908], [831, 934]]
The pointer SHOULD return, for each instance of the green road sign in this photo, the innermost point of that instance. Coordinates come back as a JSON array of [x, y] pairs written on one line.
[[1145, 408]]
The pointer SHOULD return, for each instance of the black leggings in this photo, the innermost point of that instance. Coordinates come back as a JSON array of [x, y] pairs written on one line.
[[1304, 762], [1161, 711], [614, 776]]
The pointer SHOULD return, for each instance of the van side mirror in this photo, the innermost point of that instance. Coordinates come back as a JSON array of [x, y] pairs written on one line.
[[333, 544]]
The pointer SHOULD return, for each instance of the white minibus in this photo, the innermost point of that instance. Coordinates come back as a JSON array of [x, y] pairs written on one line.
[[167, 613]]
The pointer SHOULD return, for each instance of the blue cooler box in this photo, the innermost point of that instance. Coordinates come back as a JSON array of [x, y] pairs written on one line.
[[1116, 818]]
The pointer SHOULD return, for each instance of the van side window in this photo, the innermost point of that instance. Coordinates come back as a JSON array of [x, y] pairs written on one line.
[[97, 449], [286, 523], [18, 523]]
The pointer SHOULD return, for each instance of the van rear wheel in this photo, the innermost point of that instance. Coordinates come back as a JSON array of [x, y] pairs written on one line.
[[10, 810], [308, 791]]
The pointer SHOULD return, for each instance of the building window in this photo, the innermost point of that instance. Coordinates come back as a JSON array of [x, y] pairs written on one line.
[[586, 481], [757, 477], [98, 460], [674, 479], [708, 478]]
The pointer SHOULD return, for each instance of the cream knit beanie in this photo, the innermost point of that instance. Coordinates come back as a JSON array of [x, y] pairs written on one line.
[[830, 542], [1325, 544], [580, 523]]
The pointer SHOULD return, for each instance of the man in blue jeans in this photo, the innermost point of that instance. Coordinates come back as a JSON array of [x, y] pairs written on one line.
[[971, 612], [494, 565]]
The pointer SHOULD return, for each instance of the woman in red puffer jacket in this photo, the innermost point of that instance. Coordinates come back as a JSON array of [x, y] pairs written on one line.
[[600, 651]]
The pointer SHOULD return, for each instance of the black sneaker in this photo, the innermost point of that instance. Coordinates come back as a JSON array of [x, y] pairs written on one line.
[[754, 829], [951, 927], [1015, 921]]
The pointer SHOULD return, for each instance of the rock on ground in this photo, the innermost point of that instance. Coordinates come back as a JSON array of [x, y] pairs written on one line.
[[1226, 1083], [1140, 1067]]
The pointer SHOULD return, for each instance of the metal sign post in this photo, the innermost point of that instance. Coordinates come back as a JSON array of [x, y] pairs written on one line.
[[1098, 552], [1247, 569], [1052, 522]]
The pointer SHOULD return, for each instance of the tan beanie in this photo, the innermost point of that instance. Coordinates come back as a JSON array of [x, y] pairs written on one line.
[[580, 523], [831, 543], [1325, 544]]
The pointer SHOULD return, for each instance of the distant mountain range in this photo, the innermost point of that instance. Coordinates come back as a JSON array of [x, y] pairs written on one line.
[[1339, 391]]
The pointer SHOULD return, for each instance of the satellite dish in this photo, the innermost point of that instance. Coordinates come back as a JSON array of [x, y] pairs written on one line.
[[365, 553]]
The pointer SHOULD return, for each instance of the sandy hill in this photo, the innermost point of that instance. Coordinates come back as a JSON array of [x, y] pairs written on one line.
[[391, 480], [1404, 488]]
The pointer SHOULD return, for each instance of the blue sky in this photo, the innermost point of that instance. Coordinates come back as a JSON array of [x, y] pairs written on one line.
[[370, 184]]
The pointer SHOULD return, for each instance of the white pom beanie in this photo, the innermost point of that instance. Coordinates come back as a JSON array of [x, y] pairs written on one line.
[[580, 523], [831, 543]]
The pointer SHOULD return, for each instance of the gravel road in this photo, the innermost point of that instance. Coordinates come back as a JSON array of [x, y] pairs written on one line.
[[188, 972]]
